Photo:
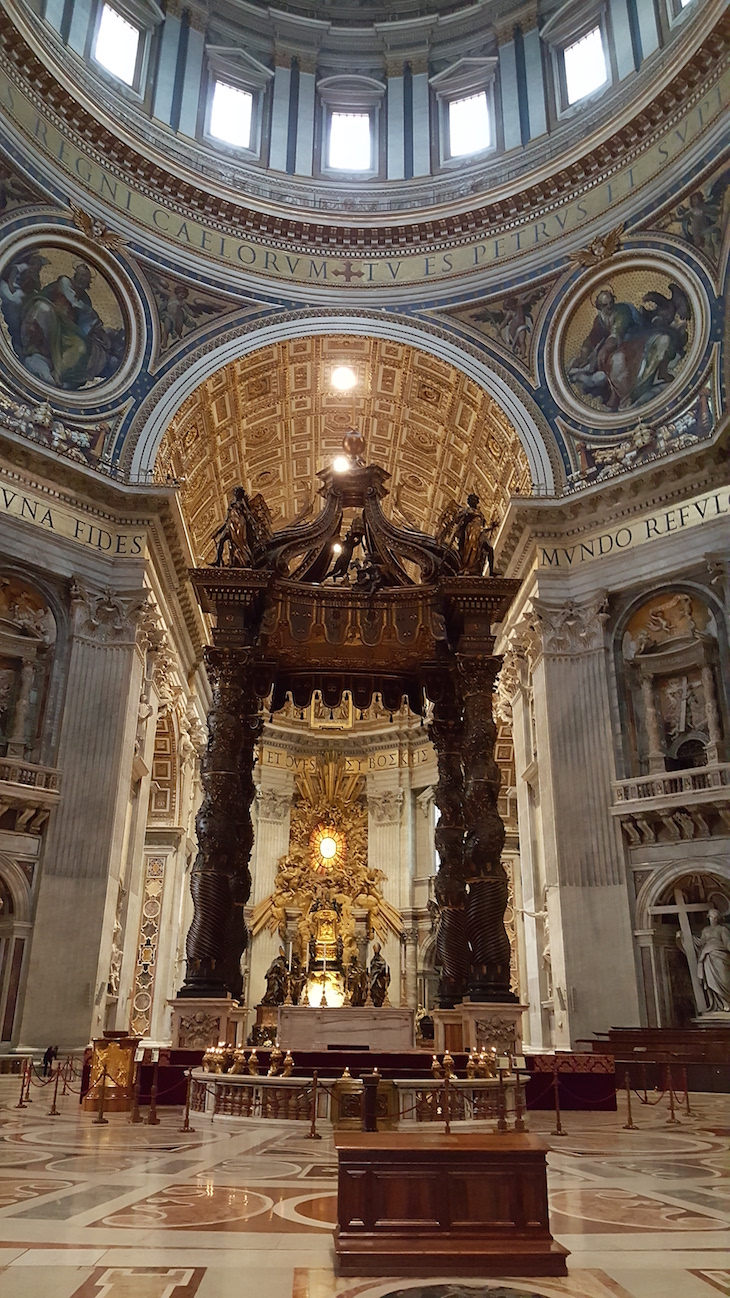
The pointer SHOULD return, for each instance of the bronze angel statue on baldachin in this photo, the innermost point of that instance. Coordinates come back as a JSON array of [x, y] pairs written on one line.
[[465, 527], [247, 526]]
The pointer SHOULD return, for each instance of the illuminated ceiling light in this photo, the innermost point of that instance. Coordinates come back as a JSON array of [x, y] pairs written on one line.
[[327, 847], [343, 378], [340, 464], [336, 548]]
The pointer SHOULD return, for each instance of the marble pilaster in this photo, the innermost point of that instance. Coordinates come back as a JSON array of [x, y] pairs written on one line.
[[96, 755]]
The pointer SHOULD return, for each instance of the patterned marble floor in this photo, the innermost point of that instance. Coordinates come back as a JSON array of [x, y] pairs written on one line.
[[148, 1212]]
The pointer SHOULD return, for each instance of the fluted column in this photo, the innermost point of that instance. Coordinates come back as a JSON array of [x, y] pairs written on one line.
[[220, 881], [651, 720], [86, 834], [409, 938], [272, 824], [591, 952]]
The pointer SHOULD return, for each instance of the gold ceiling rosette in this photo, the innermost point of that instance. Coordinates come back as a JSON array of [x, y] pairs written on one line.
[[327, 861]]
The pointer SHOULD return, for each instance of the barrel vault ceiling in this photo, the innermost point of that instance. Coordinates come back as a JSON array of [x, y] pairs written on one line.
[[273, 419]]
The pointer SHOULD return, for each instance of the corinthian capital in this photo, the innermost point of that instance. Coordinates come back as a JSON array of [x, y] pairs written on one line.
[[107, 617], [572, 628], [272, 805], [385, 808]]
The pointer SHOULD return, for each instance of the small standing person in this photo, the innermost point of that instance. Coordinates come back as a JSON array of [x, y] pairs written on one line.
[[48, 1059]]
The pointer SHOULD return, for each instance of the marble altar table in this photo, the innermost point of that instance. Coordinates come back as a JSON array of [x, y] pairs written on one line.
[[308, 1027]]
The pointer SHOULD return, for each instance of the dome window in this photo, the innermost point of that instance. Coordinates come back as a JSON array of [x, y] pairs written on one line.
[[585, 66], [118, 45], [236, 99], [349, 126], [230, 115], [577, 38], [469, 130], [350, 142], [465, 97]]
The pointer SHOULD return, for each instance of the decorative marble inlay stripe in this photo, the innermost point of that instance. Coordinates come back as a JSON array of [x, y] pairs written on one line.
[[149, 932]]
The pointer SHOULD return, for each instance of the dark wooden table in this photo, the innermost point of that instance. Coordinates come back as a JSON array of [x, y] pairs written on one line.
[[426, 1204]]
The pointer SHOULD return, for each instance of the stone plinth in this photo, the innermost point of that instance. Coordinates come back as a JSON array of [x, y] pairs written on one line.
[[306, 1027], [477, 1025], [199, 1022]]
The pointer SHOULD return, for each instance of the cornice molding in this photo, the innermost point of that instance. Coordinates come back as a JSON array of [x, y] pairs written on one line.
[[645, 119], [565, 518]]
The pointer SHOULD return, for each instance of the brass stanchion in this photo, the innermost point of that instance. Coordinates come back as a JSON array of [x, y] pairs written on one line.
[[313, 1133], [670, 1085], [501, 1102], [447, 1104], [100, 1119], [53, 1111], [186, 1124], [519, 1104], [21, 1101], [687, 1109], [629, 1125], [28, 1080], [68, 1065], [152, 1118], [135, 1115], [556, 1095]]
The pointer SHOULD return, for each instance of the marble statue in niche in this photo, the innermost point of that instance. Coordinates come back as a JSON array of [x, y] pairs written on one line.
[[62, 318], [713, 962], [670, 648], [27, 636], [626, 342]]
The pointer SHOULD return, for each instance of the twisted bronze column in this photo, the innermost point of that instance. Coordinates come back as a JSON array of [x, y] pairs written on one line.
[[452, 949], [485, 876], [221, 881]]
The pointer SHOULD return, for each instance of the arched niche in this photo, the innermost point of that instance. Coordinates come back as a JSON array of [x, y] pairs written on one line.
[[672, 910], [28, 640], [15, 928], [671, 665]]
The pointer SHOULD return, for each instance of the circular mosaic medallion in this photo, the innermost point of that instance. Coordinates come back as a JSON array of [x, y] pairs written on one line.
[[627, 340], [66, 319]]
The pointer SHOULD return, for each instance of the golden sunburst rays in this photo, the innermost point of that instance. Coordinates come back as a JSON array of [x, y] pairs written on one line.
[[328, 855], [327, 848]]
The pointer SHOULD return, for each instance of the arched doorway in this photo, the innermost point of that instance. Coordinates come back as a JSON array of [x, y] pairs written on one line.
[[673, 910]]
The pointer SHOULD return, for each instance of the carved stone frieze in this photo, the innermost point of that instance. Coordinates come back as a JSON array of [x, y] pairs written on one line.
[[197, 1031], [107, 617]]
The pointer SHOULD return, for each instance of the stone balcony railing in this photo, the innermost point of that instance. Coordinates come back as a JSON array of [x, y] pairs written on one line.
[[31, 791], [673, 805]]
